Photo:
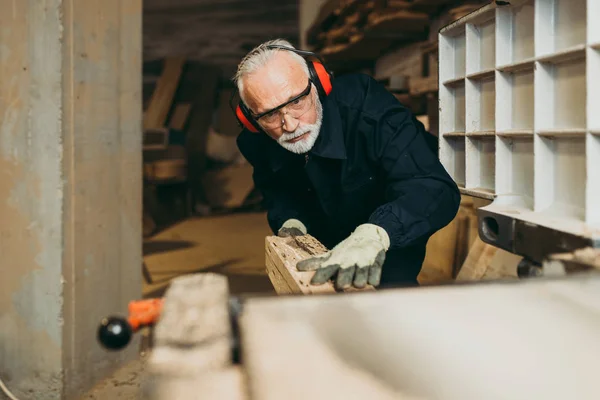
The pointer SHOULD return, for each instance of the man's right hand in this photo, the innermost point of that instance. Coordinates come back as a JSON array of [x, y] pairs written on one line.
[[292, 227]]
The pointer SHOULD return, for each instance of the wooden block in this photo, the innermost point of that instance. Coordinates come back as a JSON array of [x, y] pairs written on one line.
[[192, 343], [195, 310], [503, 266], [162, 98], [180, 116], [477, 262], [282, 255], [155, 139], [165, 170]]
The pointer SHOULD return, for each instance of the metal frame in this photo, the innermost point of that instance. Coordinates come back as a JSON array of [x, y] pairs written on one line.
[[520, 121]]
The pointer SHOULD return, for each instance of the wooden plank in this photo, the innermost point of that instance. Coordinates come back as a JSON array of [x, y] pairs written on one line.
[[201, 85], [180, 116], [397, 22], [395, 343], [282, 255], [162, 98], [477, 262]]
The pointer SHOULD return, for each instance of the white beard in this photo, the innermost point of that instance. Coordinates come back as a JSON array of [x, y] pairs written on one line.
[[304, 145]]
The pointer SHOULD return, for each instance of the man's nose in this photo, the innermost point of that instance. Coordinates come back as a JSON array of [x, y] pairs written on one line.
[[289, 123]]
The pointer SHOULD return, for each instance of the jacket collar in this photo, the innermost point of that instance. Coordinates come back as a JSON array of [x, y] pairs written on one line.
[[330, 143]]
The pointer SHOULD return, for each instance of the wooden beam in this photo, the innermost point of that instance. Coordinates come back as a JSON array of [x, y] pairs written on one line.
[[487, 262], [180, 116], [162, 98], [282, 255]]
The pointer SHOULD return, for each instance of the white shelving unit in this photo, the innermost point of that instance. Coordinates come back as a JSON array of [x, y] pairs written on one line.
[[520, 110]]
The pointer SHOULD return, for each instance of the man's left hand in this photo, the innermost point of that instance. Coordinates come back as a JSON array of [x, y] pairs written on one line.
[[357, 260]]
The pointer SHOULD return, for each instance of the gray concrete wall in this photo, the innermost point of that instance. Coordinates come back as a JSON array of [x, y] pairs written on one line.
[[70, 188], [307, 13]]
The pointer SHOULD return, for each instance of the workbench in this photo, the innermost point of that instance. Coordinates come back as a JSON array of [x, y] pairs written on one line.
[[529, 339]]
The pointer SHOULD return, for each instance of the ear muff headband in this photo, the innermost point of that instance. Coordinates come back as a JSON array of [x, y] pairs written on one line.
[[319, 76]]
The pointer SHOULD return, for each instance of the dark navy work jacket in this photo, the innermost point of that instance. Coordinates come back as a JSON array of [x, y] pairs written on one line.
[[373, 162]]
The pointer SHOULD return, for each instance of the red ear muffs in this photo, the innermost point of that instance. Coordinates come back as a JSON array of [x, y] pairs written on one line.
[[241, 112], [320, 77]]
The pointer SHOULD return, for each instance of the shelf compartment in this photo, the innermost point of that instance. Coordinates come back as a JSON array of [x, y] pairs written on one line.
[[452, 53], [560, 96], [559, 25], [481, 162], [592, 215], [481, 46], [515, 100], [454, 109], [514, 178], [481, 107], [593, 88], [515, 34], [560, 176], [452, 156]]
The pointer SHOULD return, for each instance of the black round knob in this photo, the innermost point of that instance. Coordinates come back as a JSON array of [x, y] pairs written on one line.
[[114, 333]]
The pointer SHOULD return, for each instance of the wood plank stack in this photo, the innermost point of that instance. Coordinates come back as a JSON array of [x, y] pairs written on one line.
[[352, 30], [190, 163]]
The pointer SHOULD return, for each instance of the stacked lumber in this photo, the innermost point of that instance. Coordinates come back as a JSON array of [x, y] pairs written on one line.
[[191, 162], [352, 30]]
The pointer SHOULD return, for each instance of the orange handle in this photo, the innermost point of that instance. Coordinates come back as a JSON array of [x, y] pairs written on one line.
[[144, 312]]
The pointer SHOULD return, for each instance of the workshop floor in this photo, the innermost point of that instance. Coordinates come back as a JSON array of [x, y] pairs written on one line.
[[230, 244]]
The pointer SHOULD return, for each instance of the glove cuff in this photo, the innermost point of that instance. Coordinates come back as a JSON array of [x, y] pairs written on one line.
[[374, 232], [294, 223]]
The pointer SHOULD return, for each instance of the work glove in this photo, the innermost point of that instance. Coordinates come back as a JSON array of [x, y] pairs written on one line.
[[358, 259], [292, 227]]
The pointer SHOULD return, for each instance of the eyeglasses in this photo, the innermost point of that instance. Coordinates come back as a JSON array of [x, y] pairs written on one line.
[[296, 107]]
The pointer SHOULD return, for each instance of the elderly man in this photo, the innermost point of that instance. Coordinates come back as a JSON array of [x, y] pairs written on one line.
[[343, 160]]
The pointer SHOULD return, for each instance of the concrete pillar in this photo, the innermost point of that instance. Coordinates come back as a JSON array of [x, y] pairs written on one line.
[[70, 188], [307, 13]]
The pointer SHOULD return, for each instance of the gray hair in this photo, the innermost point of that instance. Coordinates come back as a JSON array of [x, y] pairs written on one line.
[[259, 56]]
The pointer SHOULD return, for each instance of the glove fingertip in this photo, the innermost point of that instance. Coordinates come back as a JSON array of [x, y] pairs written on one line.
[[345, 277], [374, 275], [361, 276]]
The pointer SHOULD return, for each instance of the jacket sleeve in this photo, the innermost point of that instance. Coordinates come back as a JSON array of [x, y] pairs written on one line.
[[420, 196], [279, 196]]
